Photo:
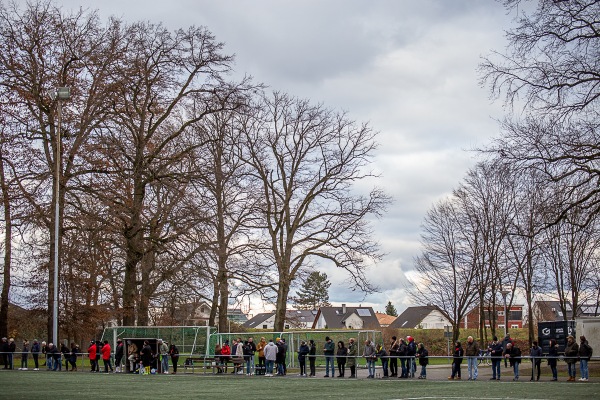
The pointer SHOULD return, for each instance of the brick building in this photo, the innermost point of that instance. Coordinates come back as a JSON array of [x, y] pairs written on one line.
[[515, 317]]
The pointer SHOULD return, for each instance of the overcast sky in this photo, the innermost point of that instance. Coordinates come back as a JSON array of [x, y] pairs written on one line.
[[409, 68]]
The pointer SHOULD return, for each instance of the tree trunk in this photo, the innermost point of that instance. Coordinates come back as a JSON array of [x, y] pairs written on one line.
[[214, 304], [224, 302], [134, 251], [281, 304], [146, 289], [7, 253]]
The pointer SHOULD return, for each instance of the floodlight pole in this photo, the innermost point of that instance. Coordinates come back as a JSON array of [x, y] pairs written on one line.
[[62, 93], [504, 293]]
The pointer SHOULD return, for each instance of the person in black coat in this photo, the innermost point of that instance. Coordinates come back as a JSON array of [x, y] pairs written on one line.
[[4, 351], [536, 360], [457, 359], [147, 356], [35, 352], [302, 353], [495, 349], [513, 354], [73, 356], [174, 354], [341, 353], [119, 352], [98, 354], [394, 346], [402, 350], [423, 356], [553, 358], [312, 356]]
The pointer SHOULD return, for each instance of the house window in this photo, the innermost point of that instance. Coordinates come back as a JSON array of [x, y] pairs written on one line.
[[265, 327], [501, 313], [202, 310], [513, 326], [515, 315], [500, 326], [286, 327], [488, 326]]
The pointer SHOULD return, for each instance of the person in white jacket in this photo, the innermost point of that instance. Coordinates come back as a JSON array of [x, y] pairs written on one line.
[[270, 356]]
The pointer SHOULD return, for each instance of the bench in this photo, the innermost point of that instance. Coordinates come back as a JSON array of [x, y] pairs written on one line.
[[214, 363]]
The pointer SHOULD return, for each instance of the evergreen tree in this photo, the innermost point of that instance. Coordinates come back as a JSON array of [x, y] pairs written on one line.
[[314, 292], [390, 309]]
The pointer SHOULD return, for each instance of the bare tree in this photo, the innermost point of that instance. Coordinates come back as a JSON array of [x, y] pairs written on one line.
[[223, 179], [487, 197], [447, 264], [42, 49], [572, 256], [168, 82], [525, 242], [551, 61], [308, 160]]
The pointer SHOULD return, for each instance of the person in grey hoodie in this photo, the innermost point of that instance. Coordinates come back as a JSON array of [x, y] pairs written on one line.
[[370, 355], [270, 356]]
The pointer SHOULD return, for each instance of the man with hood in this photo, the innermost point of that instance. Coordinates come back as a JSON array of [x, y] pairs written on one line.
[[270, 357]]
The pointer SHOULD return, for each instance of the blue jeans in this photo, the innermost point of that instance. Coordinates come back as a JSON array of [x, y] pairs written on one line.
[[496, 368], [516, 369], [572, 369], [455, 369], [269, 367], [49, 362], [404, 372], [472, 367], [413, 366], [423, 371], [249, 364], [57, 364], [371, 367], [384, 366], [329, 366], [583, 368], [164, 363]]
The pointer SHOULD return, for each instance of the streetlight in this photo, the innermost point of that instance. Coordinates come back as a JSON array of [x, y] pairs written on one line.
[[62, 93], [504, 293]]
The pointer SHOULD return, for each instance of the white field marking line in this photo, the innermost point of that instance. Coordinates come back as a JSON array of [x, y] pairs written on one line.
[[463, 397]]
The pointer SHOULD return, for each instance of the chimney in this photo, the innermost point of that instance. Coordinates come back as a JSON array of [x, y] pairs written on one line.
[[343, 308]]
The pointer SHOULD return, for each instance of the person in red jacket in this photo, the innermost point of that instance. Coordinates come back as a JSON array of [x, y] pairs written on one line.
[[92, 354], [225, 354], [106, 357]]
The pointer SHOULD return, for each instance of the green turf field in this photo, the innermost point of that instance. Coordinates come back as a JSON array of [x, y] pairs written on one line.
[[45, 385]]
